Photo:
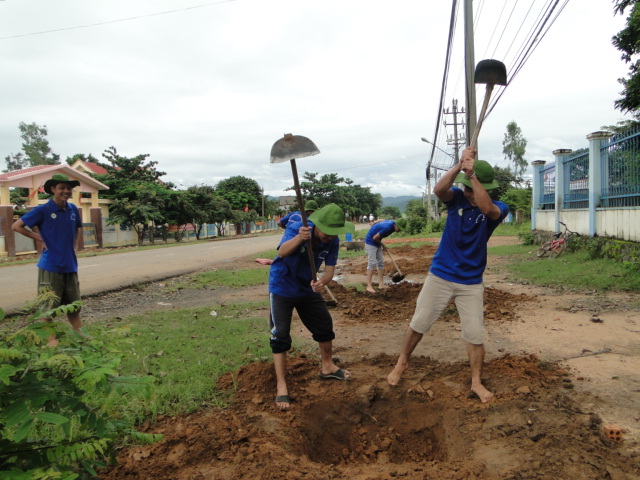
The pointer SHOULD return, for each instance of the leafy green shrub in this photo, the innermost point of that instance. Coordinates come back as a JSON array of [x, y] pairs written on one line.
[[526, 237], [51, 423], [416, 225], [435, 226]]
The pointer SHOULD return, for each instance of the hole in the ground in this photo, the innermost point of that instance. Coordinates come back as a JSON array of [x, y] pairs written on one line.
[[337, 432]]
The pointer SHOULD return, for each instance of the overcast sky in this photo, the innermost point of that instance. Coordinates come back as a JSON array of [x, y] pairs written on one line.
[[206, 88]]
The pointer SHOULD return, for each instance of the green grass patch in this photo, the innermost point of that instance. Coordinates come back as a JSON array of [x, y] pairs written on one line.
[[574, 271], [186, 351], [226, 278], [512, 229], [518, 249]]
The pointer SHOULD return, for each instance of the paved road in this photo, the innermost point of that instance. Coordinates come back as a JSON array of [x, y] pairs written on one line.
[[112, 272]]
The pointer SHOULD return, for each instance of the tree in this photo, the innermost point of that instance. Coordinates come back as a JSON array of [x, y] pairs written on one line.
[[514, 147], [142, 208], [35, 147], [628, 42], [391, 212], [417, 215], [241, 192], [518, 199], [125, 173], [506, 179], [355, 200], [138, 197]]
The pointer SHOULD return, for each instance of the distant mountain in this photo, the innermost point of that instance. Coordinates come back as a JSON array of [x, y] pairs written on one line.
[[400, 202]]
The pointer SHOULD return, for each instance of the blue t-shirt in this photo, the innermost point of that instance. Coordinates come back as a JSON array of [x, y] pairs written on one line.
[[58, 228], [462, 254], [291, 217], [384, 228], [291, 276]]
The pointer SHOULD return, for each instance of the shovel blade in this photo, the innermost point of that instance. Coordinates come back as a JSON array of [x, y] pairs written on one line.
[[490, 72], [397, 278], [292, 146]]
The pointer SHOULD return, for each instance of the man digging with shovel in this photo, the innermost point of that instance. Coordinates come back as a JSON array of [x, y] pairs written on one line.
[[458, 265], [373, 247], [292, 284]]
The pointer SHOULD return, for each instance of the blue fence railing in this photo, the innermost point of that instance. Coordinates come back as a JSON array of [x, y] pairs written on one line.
[[620, 181], [548, 191], [576, 180]]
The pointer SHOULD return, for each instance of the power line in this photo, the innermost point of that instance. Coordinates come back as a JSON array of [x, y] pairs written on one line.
[[116, 21]]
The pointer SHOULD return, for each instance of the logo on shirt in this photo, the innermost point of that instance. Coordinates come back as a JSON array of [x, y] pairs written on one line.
[[73, 216], [54, 216]]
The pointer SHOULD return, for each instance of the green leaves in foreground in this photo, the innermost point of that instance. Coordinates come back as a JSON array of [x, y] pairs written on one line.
[[51, 425]]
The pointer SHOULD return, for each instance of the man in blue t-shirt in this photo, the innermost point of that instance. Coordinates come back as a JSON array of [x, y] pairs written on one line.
[[59, 229], [291, 285], [373, 248], [459, 263], [309, 207]]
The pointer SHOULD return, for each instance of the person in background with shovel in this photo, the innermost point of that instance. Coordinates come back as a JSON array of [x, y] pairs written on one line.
[[373, 247], [458, 265], [310, 206], [292, 285]]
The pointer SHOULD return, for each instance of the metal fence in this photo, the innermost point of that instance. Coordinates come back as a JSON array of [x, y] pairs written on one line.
[[619, 175], [576, 180], [621, 170], [548, 191]]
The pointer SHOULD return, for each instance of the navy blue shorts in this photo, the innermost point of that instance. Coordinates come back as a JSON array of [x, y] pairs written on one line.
[[313, 313]]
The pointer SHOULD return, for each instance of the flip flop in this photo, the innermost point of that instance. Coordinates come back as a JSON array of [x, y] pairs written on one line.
[[283, 399], [337, 375]]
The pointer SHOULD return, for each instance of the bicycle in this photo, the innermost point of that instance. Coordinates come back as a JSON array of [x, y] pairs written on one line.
[[558, 245]]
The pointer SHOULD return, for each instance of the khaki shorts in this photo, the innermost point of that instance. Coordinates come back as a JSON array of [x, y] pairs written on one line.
[[434, 298], [65, 286]]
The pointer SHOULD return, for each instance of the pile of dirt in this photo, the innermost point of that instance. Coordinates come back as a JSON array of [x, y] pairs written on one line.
[[429, 427], [399, 300], [541, 424]]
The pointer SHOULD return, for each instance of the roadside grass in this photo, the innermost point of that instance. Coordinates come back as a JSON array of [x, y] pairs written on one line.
[[186, 351], [570, 271], [228, 278]]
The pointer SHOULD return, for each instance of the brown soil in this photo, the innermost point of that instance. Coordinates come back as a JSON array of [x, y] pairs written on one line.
[[560, 365]]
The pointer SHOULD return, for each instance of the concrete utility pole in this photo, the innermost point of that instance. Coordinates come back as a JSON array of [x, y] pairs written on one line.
[[456, 140], [469, 67]]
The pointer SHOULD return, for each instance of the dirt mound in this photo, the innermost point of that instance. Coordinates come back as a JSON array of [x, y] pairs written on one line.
[[410, 260], [398, 301], [427, 427]]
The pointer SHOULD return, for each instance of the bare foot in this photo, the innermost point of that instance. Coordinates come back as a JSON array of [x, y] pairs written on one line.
[[53, 341], [483, 394], [394, 377], [371, 290]]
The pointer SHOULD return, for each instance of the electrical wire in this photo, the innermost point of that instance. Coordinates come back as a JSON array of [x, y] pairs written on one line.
[[452, 24], [541, 33], [116, 21]]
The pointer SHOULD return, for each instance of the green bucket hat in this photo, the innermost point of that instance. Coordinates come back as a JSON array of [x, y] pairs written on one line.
[[59, 178], [485, 174], [402, 224], [310, 205], [330, 220]]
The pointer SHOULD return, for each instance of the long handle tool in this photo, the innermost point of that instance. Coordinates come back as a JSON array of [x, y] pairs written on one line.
[[491, 73]]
